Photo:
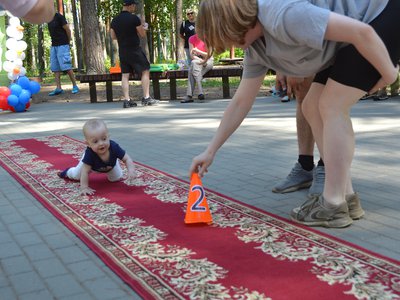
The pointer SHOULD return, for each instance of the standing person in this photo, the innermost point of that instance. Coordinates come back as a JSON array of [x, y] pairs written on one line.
[[127, 29], [32, 11], [60, 53], [102, 155], [199, 66], [187, 29], [304, 173], [350, 47]]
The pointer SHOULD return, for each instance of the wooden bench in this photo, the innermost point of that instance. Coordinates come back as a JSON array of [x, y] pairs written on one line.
[[155, 77]]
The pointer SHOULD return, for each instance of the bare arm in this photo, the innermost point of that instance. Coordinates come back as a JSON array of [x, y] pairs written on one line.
[[141, 30], [366, 41], [113, 35], [68, 31], [233, 116], [85, 189], [129, 165], [42, 12]]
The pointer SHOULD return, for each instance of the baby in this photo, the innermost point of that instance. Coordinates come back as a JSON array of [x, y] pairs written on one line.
[[101, 155]]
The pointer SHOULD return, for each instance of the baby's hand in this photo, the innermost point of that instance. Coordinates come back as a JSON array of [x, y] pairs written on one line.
[[131, 175], [87, 191]]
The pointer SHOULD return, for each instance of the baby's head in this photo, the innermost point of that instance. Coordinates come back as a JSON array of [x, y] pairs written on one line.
[[96, 135]]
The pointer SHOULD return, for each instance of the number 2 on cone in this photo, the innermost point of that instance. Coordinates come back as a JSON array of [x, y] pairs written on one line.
[[197, 204]]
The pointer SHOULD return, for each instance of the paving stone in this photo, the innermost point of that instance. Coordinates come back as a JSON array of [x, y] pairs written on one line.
[[64, 286], [16, 265], [28, 282]]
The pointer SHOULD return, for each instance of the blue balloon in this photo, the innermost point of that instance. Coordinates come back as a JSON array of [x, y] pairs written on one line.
[[20, 107], [34, 87], [24, 97], [23, 81], [15, 89], [12, 100]]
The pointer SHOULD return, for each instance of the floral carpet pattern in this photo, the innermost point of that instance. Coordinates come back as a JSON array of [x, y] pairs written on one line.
[[136, 227]]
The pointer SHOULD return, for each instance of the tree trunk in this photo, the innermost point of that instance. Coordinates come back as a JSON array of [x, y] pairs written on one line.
[[77, 34], [40, 52], [94, 53], [143, 41], [180, 52]]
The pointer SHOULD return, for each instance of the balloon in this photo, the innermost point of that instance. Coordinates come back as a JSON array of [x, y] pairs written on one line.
[[34, 87], [12, 100], [24, 97], [15, 89], [3, 103], [8, 66], [21, 46], [12, 76], [14, 21], [11, 43], [4, 91], [11, 31], [11, 55], [28, 105], [23, 82], [20, 107], [22, 71]]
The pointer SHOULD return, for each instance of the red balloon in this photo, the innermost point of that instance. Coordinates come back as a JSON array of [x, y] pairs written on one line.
[[3, 102], [28, 105], [5, 91]]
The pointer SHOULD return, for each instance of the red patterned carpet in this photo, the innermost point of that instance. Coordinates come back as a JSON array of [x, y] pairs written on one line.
[[137, 229]]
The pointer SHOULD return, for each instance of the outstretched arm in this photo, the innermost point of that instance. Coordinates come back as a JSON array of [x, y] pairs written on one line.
[[42, 12], [233, 116], [366, 41], [129, 165]]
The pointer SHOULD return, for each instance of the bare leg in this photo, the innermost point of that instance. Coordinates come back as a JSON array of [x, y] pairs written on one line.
[[72, 77], [146, 83], [125, 85], [327, 110], [57, 77]]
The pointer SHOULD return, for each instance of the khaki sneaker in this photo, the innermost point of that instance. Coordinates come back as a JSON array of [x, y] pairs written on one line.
[[314, 212], [355, 210]]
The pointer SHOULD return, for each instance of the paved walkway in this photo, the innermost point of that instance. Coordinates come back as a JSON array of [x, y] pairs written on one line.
[[41, 259]]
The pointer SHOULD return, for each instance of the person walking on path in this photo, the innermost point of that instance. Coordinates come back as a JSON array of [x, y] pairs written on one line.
[[127, 29], [187, 29], [352, 49], [60, 53]]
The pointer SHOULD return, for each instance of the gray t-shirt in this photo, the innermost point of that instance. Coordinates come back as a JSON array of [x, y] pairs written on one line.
[[294, 33]]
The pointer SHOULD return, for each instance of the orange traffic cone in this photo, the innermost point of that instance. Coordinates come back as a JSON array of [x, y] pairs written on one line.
[[197, 210]]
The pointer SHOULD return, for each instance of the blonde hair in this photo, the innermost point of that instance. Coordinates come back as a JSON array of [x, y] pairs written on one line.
[[93, 124], [223, 23]]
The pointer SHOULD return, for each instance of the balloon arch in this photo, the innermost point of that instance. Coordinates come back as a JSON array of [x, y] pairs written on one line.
[[17, 96]]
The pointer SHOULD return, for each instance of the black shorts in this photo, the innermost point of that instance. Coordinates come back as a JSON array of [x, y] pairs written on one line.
[[351, 68], [133, 60]]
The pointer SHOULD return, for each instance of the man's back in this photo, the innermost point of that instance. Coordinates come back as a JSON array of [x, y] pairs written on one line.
[[124, 26]]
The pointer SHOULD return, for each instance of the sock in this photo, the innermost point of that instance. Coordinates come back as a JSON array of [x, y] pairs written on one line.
[[306, 162], [321, 163]]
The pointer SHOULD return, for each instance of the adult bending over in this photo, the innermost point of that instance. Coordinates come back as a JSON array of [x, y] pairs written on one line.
[[351, 48]]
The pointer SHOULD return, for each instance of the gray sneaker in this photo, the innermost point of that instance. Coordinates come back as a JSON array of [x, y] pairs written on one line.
[[315, 213], [317, 186], [355, 210], [297, 179]]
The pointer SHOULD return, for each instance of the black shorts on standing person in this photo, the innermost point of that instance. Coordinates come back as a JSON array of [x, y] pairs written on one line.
[[131, 55]]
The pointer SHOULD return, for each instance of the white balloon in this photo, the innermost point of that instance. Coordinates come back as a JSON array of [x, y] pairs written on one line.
[[18, 35], [14, 21], [2, 13], [11, 31], [11, 55], [8, 66], [22, 71], [18, 62], [21, 46], [11, 43], [21, 55], [12, 76]]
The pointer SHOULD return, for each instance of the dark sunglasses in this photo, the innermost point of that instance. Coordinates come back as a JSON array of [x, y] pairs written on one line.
[[189, 13]]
